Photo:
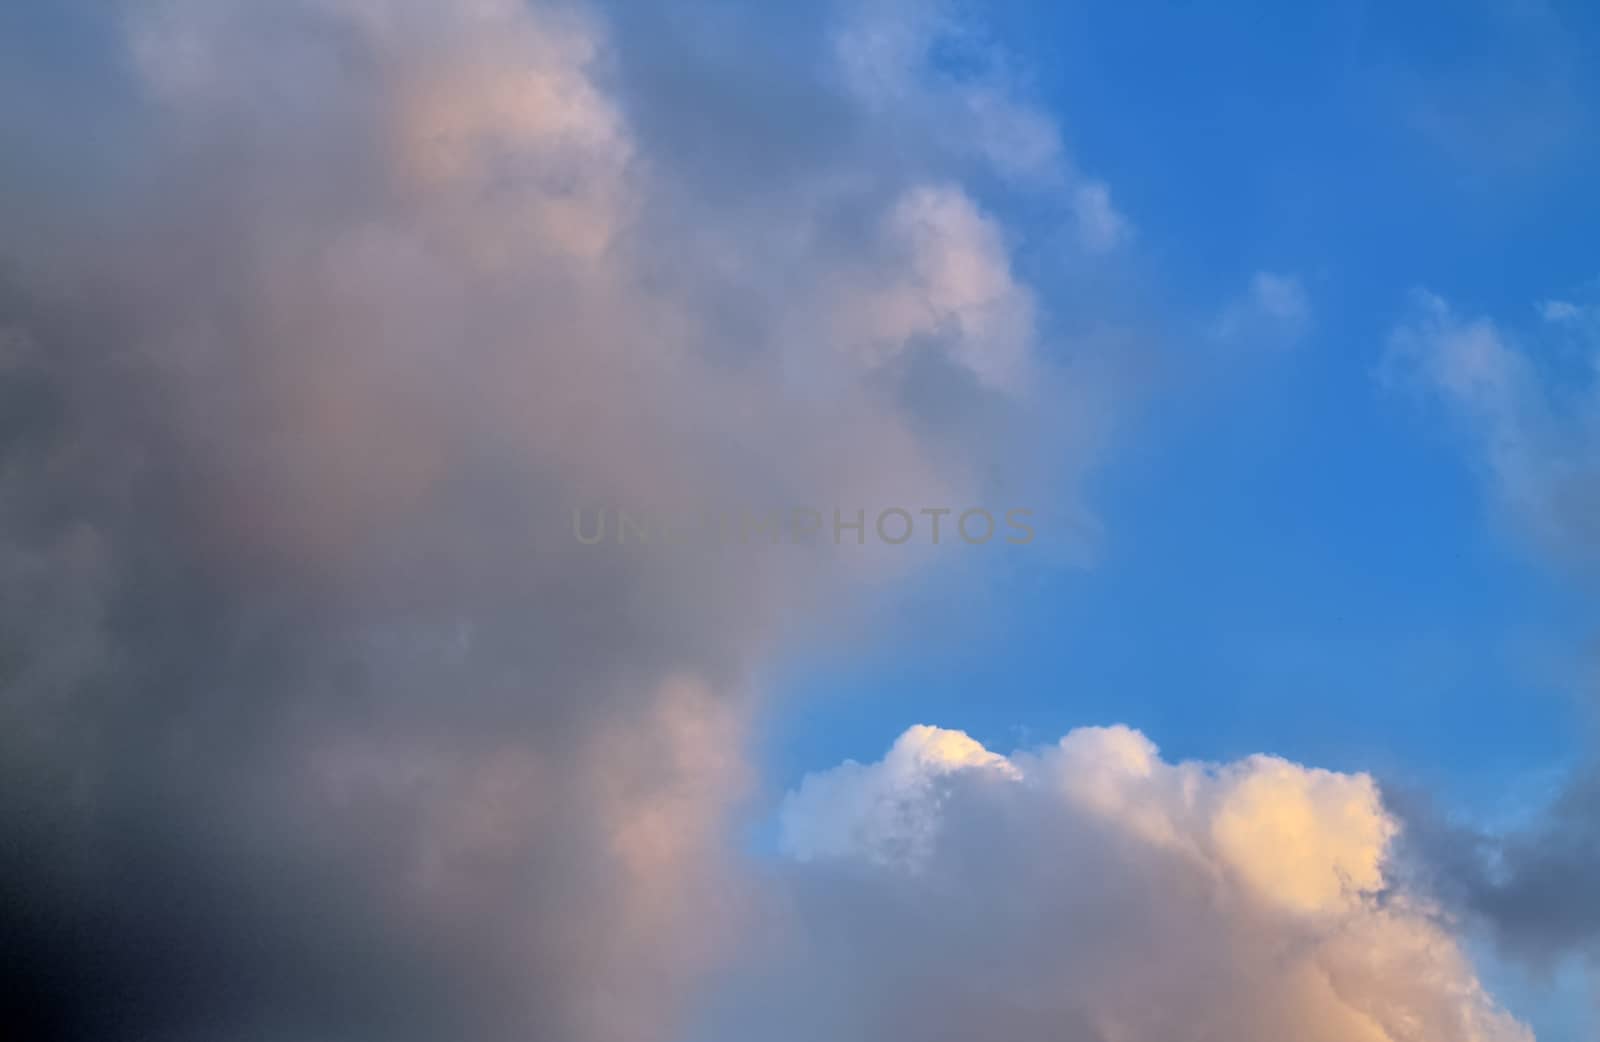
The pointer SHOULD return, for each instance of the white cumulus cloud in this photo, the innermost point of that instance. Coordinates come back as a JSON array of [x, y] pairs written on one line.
[[1093, 891]]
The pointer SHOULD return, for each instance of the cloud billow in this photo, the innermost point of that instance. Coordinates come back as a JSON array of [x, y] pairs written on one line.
[[314, 722], [1092, 891]]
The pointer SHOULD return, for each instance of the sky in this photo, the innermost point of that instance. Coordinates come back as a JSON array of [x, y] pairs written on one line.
[[325, 324]]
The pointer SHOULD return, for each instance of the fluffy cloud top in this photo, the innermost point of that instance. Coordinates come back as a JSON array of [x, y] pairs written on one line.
[[1275, 310], [1093, 891]]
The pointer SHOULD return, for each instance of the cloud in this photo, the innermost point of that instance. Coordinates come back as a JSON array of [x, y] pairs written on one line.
[[1531, 883], [1275, 310], [315, 721], [885, 812], [1092, 890], [1100, 226], [962, 98], [944, 277], [1559, 311], [1531, 413]]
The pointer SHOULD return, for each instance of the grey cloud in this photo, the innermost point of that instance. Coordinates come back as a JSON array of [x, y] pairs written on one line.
[[1533, 885], [319, 318]]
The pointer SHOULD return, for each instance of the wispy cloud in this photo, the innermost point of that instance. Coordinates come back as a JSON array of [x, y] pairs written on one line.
[[1528, 404], [1274, 311]]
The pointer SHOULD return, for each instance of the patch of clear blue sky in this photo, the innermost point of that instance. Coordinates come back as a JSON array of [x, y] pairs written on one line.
[[1294, 560]]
